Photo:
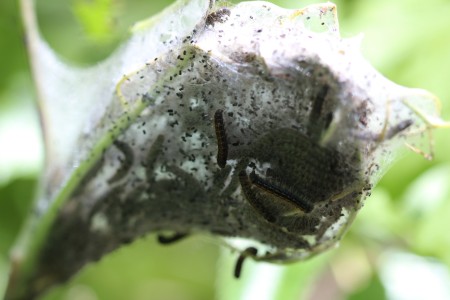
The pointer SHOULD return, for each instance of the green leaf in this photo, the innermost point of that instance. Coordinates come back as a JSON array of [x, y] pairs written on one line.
[[97, 18], [427, 205], [266, 281]]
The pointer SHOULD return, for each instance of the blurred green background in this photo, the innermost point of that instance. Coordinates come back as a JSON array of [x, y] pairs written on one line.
[[399, 246]]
